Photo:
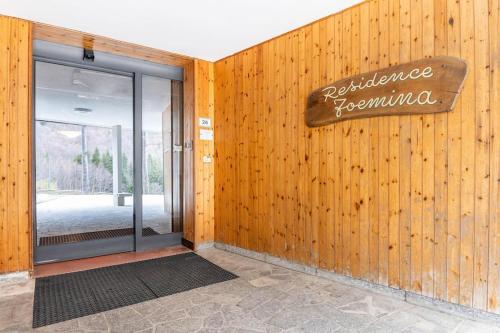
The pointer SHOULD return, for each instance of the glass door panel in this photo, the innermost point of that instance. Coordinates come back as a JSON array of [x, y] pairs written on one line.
[[160, 156], [84, 158]]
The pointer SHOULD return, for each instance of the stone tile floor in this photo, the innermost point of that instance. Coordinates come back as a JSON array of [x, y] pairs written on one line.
[[265, 298]]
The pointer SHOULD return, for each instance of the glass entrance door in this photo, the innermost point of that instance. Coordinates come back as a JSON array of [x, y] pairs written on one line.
[[108, 161], [84, 161]]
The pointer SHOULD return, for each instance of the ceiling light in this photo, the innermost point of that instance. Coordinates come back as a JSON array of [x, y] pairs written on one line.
[[87, 97], [82, 110]]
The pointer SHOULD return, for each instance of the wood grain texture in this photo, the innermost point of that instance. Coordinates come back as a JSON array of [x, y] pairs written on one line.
[[440, 166], [468, 139], [494, 218], [204, 172], [15, 144], [405, 159], [372, 170], [409, 201], [394, 157], [453, 239]]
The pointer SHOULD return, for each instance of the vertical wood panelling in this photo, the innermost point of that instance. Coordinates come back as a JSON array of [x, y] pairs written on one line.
[[294, 103], [468, 151], [337, 166], [405, 201], [373, 175], [346, 148], [15, 144], [323, 149], [307, 174], [4, 139], [314, 149], [290, 144], [274, 125], [364, 149], [271, 130], [453, 239], [383, 158], [204, 172], [482, 154], [301, 245], [394, 157], [330, 148], [428, 156], [280, 234], [494, 218], [355, 152], [252, 185], [416, 158], [440, 166], [263, 153], [220, 119], [405, 159]]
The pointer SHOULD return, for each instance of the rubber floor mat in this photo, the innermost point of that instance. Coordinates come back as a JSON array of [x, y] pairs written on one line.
[[68, 296]]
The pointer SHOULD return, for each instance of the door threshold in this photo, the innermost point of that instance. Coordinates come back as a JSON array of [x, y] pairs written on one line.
[[48, 269]]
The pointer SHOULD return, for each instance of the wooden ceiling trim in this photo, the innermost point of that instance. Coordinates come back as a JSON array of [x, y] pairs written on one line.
[[76, 38]]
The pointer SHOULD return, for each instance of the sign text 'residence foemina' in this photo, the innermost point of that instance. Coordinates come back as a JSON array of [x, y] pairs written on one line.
[[423, 86]]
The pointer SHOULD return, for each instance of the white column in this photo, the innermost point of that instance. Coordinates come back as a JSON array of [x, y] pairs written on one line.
[[118, 199], [85, 162]]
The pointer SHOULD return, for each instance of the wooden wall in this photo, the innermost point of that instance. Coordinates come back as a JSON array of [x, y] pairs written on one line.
[[198, 192], [15, 145], [204, 171], [410, 202]]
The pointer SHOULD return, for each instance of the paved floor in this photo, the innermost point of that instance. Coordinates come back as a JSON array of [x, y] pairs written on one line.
[[265, 298], [61, 214]]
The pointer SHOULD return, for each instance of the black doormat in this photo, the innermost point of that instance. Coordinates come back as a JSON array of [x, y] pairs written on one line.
[[68, 296], [93, 235]]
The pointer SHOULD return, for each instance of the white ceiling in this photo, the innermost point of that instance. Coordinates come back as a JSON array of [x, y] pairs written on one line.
[[205, 29]]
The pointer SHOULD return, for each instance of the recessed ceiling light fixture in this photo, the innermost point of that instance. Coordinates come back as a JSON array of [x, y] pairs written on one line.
[[82, 110], [87, 97]]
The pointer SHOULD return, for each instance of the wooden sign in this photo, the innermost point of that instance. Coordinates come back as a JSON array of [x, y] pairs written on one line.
[[422, 86]]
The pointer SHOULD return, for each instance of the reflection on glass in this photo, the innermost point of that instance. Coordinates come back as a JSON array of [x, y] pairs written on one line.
[[84, 154], [158, 158]]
